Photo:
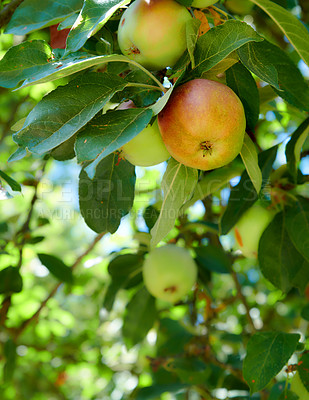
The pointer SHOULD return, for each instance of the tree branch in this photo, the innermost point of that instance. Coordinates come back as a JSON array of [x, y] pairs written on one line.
[[7, 12], [24, 325], [244, 301]]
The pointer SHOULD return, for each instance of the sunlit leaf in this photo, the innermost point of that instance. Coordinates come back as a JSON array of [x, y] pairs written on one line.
[[94, 14], [293, 29], [267, 353], [250, 159], [35, 14], [178, 185]]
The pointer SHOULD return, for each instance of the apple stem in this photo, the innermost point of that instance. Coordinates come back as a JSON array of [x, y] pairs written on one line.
[[162, 88]]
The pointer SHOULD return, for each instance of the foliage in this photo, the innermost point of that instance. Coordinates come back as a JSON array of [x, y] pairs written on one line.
[[77, 221]]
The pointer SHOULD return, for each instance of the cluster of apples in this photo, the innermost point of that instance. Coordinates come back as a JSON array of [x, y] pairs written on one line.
[[202, 125]]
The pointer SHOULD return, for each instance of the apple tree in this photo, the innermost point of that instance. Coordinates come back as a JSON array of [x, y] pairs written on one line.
[[154, 214]]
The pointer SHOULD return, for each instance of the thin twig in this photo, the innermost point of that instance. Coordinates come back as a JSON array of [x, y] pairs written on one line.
[[7, 12], [20, 245], [4, 309], [28, 321], [244, 300]]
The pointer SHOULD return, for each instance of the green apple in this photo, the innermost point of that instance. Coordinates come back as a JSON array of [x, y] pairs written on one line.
[[203, 124], [169, 272], [203, 3], [299, 388], [146, 148], [153, 32], [250, 227], [240, 7]]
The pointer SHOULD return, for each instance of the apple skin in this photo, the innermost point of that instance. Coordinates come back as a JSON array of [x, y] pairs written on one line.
[[203, 3], [250, 227], [169, 272], [147, 147], [153, 32], [299, 388], [239, 7], [203, 124]]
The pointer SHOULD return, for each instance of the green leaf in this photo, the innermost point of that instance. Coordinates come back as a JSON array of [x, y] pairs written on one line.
[[240, 80], [297, 225], [10, 280], [243, 195], [141, 96], [68, 22], [222, 66], [160, 104], [22, 61], [267, 354], [65, 151], [266, 94], [13, 184], [303, 368], [4, 227], [109, 196], [125, 271], [34, 62], [260, 64], [294, 146], [259, 57], [178, 184], [172, 337], [107, 133], [57, 267], [213, 259], [122, 267], [212, 182], [305, 312], [250, 159], [192, 29], [219, 42], [94, 14], [9, 352], [292, 28], [34, 239], [150, 216], [60, 114], [35, 14], [279, 260], [140, 316], [18, 154]]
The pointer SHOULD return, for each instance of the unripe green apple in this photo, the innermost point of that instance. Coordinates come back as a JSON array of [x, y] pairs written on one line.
[[153, 32], [299, 388], [203, 124], [250, 227], [203, 3], [240, 7], [147, 147], [169, 272]]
